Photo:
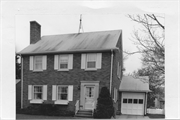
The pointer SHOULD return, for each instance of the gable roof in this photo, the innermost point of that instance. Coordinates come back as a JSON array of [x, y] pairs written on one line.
[[135, 84], [88, 41]]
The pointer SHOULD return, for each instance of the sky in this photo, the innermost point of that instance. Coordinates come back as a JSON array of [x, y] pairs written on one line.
[[60, 17], [93, 19]]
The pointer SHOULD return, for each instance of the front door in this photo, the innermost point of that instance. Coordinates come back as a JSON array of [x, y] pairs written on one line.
[[89, 96]]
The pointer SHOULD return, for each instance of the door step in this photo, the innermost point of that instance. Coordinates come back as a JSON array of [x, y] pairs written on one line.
[[84, 113]]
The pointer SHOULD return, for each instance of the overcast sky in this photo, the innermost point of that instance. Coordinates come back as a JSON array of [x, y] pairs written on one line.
[[94, 18]]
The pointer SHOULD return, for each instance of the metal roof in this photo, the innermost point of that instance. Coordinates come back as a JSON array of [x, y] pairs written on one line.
[[102, 40], [135, 84]]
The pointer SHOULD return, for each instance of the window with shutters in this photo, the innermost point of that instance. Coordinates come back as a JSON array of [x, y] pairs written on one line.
[[91, 61], [62, 92], [63, 62], [38, 62], [38, 92]]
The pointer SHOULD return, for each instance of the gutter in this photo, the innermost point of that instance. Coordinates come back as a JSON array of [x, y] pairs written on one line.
[[21, 82], [67, 51], [111, 71]]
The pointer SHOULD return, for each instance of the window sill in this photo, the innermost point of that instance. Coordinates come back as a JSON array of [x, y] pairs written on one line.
[[63, 69], [90, 69], [36, 101], [37, 70], [61, 102]]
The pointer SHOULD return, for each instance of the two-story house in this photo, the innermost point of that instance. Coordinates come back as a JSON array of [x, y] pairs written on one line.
[[70, 69]]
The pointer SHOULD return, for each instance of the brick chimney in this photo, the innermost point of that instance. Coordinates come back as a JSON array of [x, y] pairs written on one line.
[[35, 32]]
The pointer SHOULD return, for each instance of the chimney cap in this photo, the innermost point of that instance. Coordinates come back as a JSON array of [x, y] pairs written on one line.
[[35, 22]]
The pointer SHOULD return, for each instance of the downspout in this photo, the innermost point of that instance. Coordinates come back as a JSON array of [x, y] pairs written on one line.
[[21, 82], [111, 71]]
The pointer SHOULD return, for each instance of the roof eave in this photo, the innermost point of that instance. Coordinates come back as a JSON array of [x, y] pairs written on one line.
[[68, 51], [135, 90]]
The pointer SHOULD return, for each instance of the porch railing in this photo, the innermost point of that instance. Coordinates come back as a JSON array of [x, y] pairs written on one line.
[[77, 106], [93, 107]]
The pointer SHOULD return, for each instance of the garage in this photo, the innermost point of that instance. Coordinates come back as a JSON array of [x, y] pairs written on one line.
[[134, 95]]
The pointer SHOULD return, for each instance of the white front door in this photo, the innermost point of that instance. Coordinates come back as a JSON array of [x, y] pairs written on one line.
[[89, 96]]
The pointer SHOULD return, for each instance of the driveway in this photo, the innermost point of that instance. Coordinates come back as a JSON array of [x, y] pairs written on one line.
[[131, 117]]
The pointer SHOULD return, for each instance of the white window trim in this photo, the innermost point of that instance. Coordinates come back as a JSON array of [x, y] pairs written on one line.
[[55, 99], [31, 94], [32, 63], [98, 62], [57, 62], [57, 92]]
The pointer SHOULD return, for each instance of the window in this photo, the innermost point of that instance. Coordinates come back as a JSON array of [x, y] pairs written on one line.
[[129, 100], [38, 63], [62, 93], [91, 61], [37, 93], [140, 101], [135, 101], [63, 62], [124, 100], [115, 95], [38, 60]]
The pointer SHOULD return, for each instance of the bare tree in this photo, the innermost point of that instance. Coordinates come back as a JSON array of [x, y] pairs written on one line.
[[149, 41]]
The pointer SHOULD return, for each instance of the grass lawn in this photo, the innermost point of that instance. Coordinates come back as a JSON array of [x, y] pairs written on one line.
[[156, 116], [24, 116]]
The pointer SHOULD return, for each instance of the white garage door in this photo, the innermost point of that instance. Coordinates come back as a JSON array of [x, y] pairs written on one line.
[[133, 103]]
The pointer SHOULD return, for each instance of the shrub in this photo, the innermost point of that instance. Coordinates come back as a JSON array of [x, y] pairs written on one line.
[[104, 107], [47, 109]]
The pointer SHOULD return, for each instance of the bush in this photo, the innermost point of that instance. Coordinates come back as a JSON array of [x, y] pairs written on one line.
[[46, 109], [104, 107]]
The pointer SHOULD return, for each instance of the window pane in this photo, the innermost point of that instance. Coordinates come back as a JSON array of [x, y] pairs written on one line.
[[38, 62], [91, 64], [135, 101], [140, 101], [62, 93], [129, 100], [63, 61], [37, 92], [63, 66], [124, 100], [91, 57]]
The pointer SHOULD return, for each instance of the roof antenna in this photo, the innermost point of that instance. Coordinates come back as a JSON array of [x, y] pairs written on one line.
[[80, 25]]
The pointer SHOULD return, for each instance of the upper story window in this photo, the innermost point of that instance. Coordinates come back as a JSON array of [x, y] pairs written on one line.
[[63, 62], [119, 70], [38, 62], [91, 61]]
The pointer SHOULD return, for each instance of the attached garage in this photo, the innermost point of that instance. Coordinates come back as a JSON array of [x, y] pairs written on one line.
[[134, 95]]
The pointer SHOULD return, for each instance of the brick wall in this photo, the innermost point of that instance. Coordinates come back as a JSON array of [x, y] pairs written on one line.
[[73, 77]]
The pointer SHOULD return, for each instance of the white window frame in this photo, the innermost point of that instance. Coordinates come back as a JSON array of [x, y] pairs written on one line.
[[60, 86], [55, 94], [31, 93], [34, 61], [34, 91], [87, 55], [57, 62], [60, 62]]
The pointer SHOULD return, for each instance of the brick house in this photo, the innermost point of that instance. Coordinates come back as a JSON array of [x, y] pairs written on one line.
[[70, 69]]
